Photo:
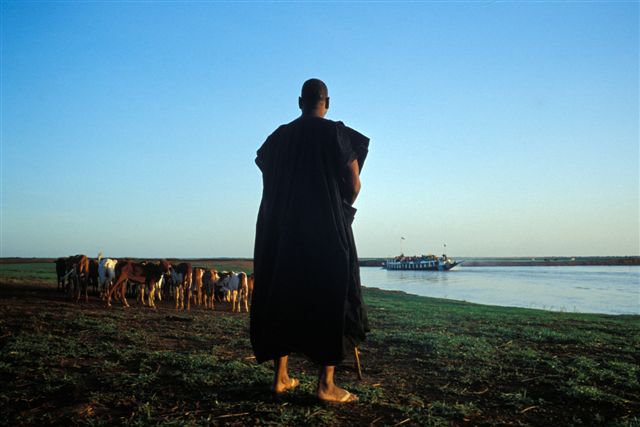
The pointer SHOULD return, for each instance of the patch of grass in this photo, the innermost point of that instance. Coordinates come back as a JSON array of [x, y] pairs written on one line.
[[426, 362], [37, 271]]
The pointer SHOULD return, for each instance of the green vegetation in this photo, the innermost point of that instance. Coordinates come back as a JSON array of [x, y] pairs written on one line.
[[39, 272], [426, 362]]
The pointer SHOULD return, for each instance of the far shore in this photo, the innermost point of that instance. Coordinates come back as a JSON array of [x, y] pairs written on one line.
[[378, 262]]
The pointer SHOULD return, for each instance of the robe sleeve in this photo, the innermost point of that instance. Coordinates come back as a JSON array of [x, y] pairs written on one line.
[[344, 151], [352, 145]]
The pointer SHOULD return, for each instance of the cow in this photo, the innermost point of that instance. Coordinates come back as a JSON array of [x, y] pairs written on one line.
[[235, 289], [78, 265], [92, 278], [196, 287], [243, 292], [156, 294], [61, 272], [250, 279], [181, 275], [209, 279], [147, 275], [219, 291], [106, 274]]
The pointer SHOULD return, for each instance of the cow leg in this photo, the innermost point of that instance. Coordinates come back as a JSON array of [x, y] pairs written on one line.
[[111, 290], [82, 287], [123, 294], [180, 297], [67, 284], [72, 286], [234, 297], [177, 297], [142, 288], [76, 289], [152, 295], [105, 286]]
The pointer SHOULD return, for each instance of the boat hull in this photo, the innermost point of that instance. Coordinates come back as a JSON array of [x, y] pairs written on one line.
[[411, 266]]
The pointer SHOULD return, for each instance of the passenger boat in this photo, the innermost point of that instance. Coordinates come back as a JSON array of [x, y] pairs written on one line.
[[424, 262]]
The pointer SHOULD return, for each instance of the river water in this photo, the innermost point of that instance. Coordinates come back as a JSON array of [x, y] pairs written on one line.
[[582, 289]]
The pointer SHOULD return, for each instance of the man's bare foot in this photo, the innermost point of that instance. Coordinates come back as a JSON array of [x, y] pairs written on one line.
[[335, 394], [285, 384]]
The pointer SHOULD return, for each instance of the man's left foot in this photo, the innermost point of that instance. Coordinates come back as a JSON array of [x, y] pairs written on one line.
[[282, 386]]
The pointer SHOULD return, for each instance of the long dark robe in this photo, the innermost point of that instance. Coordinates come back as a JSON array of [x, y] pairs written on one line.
[[307, 297]]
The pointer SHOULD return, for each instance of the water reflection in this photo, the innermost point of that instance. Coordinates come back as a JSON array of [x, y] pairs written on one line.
[[589, 289]]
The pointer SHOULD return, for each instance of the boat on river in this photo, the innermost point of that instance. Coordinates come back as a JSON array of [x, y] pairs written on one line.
[[422, 262]]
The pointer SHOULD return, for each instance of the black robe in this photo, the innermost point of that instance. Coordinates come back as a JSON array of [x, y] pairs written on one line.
[[307, 297]]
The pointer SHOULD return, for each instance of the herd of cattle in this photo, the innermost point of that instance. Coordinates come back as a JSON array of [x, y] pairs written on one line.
[[149, 281]]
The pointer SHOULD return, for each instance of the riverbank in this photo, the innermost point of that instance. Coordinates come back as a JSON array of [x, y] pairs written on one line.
[[427, 361], [246, 264]]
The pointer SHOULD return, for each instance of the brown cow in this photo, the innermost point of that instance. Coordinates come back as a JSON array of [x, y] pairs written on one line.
[[79, 266], [196, 287], [61, 271], [243, 292], [147, 274], [92, 278], [209, 280], [250, 279]]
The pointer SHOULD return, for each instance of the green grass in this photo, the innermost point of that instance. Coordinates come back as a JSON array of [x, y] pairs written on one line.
[[426, 362], [35, 271]]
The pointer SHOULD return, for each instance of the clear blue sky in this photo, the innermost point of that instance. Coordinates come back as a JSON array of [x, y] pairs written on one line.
[[498, 128]]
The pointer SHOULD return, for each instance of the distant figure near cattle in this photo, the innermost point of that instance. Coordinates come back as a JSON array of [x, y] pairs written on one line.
[[307, 297]]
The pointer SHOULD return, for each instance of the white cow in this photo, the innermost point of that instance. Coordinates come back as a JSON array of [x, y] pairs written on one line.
[[181, 281], [235, 289], [106, 274]]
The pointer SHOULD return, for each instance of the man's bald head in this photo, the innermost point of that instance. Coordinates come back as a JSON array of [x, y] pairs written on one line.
[[314, 97]]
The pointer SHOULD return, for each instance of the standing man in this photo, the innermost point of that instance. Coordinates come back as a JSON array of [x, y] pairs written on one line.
[[307, 297]]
